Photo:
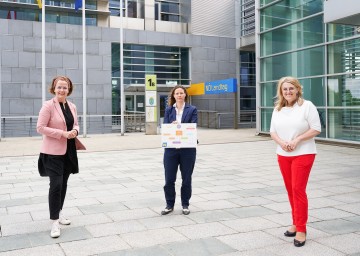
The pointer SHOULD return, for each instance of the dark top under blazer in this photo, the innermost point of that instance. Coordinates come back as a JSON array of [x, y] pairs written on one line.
[[189, 114]]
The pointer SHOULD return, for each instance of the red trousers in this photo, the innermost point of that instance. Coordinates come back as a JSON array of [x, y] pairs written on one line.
[[295, 171]]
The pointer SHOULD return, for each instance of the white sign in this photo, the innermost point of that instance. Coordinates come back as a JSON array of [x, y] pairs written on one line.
[[150, 98], [179, 135], [150, 114]]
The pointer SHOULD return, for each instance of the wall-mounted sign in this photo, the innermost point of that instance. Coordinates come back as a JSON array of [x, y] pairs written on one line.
[[221, 86]]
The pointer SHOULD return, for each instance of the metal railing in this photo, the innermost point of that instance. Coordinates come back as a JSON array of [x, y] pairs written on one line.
[[221, 120], [25, 126]]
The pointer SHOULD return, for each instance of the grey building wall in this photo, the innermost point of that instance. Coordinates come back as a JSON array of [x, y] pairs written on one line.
[[212, 58], [209, 17]]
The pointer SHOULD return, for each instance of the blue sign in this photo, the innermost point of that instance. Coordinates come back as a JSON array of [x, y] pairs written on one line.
[[221, 86]]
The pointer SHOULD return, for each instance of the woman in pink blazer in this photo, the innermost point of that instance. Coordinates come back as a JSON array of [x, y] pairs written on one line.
[[58, 123]]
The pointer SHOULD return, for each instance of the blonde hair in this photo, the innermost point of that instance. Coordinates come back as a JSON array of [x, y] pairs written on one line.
[[280, 100], [61, 78], [171, 98]]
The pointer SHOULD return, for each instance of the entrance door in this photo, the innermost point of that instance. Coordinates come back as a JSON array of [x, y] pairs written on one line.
[[135, 102]]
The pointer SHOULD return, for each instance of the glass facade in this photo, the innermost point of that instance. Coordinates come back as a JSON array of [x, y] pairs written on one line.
[[131, 8], [169, 64], [247, 81], [167, 10], [294, 41], [59, 15]]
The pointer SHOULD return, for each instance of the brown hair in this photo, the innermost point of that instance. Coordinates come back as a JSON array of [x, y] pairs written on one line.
[[61, 78], [280, 100], [171, 98]]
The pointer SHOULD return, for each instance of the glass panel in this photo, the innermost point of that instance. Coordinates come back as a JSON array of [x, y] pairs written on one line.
[[336, 31], [266, 118], [248, 104], [140, 103], [344, 57], [344, 124], [344, 90], [288, 11], [306, 33], [247, 68], [170, 17], [298, 64], [322, 116], [265, 2], [129, 103], [314, 90], [268, 94], [115, 82], [170, 8]]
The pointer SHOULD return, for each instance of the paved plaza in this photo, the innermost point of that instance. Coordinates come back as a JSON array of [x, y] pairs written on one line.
[[239, 205]]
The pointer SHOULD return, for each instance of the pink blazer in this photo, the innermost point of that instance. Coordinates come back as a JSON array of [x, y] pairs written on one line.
[[51, 124]]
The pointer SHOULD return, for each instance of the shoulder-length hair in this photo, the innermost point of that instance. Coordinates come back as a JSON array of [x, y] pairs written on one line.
[[171, 98], [280, 100], [61, 78]]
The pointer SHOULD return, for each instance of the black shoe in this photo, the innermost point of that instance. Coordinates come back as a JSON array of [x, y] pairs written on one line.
[[289, 233], [297, 243], [186, 210], [167, 210]]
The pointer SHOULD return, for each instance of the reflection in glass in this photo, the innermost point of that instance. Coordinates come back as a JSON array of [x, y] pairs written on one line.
[[344, 124], [287, 11], [344, 90], [298, 64], [344, 57], [306, 33]]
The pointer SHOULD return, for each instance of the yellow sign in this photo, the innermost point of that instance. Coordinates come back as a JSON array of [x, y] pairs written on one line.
[[196, 89], [150, 82]]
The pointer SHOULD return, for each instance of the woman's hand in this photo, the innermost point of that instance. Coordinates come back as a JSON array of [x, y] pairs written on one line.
[[293, 144], [69, 135], [174, 122]]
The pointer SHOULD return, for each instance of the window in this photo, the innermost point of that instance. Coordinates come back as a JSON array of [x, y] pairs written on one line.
[[167, 10], [131, 8]]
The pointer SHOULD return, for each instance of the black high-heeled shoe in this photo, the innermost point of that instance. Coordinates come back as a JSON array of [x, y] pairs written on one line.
[[289, 233], [298, 243]]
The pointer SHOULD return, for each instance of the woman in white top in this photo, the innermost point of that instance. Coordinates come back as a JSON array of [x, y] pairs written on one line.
[[294, 124]]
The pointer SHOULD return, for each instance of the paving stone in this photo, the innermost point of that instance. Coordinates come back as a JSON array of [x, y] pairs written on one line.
[[251, 211], [166, 221], [329, 213], [353, 208], [250, 224], [197, 231], [215, 205], [14, 242], [347, 243], [115, 228], [68, 234], [339, 226], [199, 247], [94, 246], [310, 248], [132, 214], [152, 237], [53, 250], [102, 208], [149, 251], [250, 240], [211, 216]]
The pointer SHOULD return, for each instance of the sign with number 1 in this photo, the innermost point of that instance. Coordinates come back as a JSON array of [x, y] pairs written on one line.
[[150, 81]]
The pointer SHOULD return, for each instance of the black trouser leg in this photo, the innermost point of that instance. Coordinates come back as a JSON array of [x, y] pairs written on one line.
[[55, 189], [64, 188]]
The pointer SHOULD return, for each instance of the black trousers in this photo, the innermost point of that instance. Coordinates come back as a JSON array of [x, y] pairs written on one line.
[[185, 159], [57, 193]]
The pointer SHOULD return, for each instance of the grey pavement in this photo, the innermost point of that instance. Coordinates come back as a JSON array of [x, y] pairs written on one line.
[[239, 204]]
